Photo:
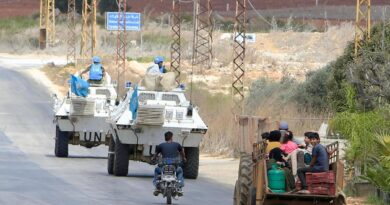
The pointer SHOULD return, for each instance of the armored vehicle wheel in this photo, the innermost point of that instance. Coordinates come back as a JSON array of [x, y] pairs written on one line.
[[61, 143], [245, 180], [111, 156], [191, 167], [121, 159]]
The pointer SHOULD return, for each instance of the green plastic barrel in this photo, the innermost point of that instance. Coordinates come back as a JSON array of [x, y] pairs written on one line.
[[276, 180]]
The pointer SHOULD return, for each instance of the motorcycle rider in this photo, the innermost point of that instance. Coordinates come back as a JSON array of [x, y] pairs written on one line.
[[169, 149], [96, 71]]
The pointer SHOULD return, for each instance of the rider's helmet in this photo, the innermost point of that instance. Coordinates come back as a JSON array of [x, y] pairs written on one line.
[[96, 59], [158, 59]]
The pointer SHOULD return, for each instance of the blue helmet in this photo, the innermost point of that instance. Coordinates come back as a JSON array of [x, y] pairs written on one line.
[[158, 59], [283, 125], [96, 59]]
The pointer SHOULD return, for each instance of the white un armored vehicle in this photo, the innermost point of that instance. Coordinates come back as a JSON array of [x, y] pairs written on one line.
[[83, 121], [158, 112]]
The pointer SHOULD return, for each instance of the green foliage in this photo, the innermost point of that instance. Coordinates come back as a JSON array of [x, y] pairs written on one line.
[[215, 110], [225, 25], [313, 93], [263, 90], [62, 5], [107, 6], [360, 129], [145, 59], [368, 144], [157, 39], [374, 200], [101, 21], [15, 25], [350, 94], [367, 74], [187, 18], [338, 80], [379, 171], [378, 174]]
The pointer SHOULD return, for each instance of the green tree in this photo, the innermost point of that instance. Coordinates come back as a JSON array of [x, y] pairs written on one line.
[[107, 6], [62, 5], [368, 74]]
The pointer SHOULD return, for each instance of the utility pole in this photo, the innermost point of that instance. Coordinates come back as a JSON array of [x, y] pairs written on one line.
[[88, 30], [71, 41], [362, 23], [176, 46], [203, 33], [121, 45], [239, 57], [47, 23]]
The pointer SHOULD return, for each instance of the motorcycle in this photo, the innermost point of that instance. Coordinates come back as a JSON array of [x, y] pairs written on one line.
[[168, 183]]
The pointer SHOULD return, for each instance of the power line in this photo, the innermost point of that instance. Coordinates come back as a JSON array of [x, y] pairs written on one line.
[[257, 12]]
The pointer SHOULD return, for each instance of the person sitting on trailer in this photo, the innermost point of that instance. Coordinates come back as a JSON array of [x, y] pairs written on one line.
[[295, 156], [96, 71], [307, 147], [288, 146], [273, 141], [284, 130], [319, 162], [265, 135]]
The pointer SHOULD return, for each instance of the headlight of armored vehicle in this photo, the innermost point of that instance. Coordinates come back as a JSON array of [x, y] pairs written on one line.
[[179, 115], [169, 114]]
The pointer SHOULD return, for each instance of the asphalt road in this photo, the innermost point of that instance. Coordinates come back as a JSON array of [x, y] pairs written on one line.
[[31, 174]]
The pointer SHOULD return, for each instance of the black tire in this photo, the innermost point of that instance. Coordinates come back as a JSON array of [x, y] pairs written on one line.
[[191, 167], [121, 159], [236, 199], [61, 143], [111, 156], [169, 196], [252, 194], [340, 200], [245, 179]]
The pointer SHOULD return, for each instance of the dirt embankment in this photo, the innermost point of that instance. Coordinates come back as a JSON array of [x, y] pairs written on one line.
[[276, 54]]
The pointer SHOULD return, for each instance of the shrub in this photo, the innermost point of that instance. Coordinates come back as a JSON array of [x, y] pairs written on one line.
[[263, 89], [16, 25], [313, 93]]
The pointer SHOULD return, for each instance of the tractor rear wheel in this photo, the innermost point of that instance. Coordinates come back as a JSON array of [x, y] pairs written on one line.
[[245, 180]]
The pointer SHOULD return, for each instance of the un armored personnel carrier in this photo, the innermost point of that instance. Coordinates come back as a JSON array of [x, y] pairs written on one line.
[[83, 120], [158, 112]]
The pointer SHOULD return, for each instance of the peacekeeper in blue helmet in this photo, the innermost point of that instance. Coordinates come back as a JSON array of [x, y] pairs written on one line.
[[96, 71], [159, 60]]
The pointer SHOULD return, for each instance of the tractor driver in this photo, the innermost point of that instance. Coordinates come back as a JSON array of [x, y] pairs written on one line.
[[96, 71], [169, 149]]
